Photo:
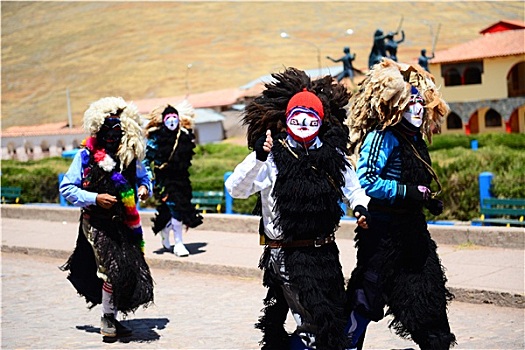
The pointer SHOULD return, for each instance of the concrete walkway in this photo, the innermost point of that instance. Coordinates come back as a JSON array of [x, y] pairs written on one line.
[[483, 265]]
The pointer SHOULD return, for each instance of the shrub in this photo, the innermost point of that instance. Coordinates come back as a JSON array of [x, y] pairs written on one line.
[[456, 164], [459, 167], [38, 179], [211, 162]]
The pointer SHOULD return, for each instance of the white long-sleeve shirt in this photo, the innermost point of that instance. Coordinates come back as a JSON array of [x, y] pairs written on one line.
[[252, 176]]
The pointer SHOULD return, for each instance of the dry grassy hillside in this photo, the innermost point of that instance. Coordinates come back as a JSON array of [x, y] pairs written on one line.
[[142, 49]]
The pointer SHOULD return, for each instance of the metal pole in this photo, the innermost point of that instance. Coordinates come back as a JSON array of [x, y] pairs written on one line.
[[69, 117]]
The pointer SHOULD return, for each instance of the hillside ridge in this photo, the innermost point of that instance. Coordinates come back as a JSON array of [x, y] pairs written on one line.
[[141, 50]]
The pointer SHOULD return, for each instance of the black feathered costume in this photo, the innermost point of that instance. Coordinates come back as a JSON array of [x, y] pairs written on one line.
[[300, 213], [115, 253], [397, 261], [169, 153]]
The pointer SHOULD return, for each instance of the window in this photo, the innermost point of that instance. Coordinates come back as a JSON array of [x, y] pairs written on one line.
[[492, 118], [11, 148], [452, 77], [472, 76], [61, 145], [516, 80], [454, 121], [465, 73], [28, 146], [45, 146]]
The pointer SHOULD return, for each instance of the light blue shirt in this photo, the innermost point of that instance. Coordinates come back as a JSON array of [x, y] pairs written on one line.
[[70, 186]]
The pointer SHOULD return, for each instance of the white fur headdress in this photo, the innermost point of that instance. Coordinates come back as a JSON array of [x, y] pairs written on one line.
[[132, 144]]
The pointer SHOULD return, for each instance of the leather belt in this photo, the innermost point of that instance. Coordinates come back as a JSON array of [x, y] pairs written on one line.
[[301, 243]]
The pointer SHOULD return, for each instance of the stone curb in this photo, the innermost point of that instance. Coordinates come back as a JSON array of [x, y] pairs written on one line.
[[457, 234], [473, 296]]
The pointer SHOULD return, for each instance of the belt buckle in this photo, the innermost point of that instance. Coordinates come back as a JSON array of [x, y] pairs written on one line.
[[317, 244]]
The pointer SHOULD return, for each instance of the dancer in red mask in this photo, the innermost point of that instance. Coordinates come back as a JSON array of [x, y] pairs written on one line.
[[299, 167]]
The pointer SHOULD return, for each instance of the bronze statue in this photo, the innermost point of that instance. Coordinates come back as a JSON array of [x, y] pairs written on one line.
[[391, 44], [423, 60], [348, 69], [378, 48]]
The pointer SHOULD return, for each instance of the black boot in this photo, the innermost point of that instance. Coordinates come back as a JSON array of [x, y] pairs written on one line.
[[107, 325]]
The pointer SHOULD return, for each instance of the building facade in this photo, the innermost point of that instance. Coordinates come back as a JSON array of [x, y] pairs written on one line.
[[483, 81]]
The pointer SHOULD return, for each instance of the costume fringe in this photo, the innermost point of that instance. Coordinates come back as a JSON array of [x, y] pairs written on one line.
[[126, 269], [306, 189], [82, 269], [413, 171], [318, 275], [125, 266], [417, 296], [413, 282], [161, 219], [271, 323]]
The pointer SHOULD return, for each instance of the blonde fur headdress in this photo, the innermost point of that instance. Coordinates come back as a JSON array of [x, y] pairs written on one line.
[[186, 116], [383, 96], [132, 144]]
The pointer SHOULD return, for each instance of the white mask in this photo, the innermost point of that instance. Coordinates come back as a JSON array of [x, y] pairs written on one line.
[[303, 127], [415, 110], [171, 121]]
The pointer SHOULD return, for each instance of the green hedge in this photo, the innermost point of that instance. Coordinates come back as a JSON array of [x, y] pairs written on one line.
[[457, 166], [458, 170], [38, 179], [209, 165]]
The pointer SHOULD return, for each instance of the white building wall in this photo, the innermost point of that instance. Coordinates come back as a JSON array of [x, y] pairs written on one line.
[[209, 132]]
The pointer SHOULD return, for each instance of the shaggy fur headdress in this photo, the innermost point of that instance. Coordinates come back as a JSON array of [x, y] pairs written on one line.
[[186, 116], [268, 111], [132, 144], [383, 96]]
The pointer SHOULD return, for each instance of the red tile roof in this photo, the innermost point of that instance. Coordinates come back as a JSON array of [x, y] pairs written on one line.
[[225, 97], [503, 25], [217, 98], [490, 45], [42, 129]]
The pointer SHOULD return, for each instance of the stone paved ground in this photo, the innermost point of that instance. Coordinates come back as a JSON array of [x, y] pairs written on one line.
[[40, 310]]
